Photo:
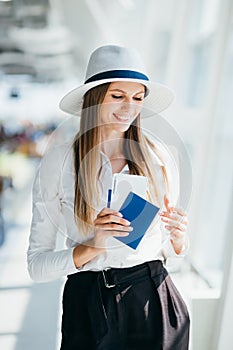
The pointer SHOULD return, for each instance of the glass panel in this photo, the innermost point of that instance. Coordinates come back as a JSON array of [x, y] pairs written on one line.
[[216, 208], [200, 36]]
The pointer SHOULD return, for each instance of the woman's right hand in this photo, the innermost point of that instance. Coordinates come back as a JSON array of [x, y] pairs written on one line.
[[109, 223]]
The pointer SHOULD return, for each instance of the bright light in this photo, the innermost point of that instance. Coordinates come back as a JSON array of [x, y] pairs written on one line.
[[8, 341], [15, 303]]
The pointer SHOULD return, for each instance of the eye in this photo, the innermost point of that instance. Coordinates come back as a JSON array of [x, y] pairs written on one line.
[[117, 96], [138, 98]]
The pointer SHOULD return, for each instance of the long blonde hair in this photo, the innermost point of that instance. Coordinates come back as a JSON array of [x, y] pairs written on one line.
[[87, 161]]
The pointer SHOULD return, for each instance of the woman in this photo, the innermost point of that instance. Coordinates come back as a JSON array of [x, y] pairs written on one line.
[[114, 297]]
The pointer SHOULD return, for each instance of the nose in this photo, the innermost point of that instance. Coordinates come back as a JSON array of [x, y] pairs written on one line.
[[127, 108], [127, 104]]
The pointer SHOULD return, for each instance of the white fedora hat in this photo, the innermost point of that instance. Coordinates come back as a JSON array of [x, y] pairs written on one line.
[[116, 63]]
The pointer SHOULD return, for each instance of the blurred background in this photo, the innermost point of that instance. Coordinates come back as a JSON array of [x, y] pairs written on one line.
[[44, 48]]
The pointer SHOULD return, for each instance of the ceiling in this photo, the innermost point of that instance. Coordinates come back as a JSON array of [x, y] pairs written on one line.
[[30, 43], [50, 40]]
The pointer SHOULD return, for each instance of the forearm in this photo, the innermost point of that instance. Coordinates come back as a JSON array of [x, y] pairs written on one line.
[[44, 266], [85, 252]]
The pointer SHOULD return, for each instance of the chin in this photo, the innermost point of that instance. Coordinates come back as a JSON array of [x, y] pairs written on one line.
[[121, 127]]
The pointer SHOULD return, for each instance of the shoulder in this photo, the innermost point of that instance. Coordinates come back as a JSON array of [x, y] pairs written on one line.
[[166, 157], [52, 164], [161, 153], [56, 155], [57, 150]]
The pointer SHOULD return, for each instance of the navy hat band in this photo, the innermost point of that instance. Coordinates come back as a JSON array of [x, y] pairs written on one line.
[[130, 74]]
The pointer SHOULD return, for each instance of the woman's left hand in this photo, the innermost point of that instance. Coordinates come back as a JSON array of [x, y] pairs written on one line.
[[176, 222]]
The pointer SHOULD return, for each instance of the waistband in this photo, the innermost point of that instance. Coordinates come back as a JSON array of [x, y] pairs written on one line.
[[112, 277]]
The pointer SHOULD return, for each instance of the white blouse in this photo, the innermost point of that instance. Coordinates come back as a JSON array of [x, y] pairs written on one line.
[[53, 213]]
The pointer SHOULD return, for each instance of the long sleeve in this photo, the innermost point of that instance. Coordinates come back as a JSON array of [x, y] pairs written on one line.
[[170, 162], [44, 262]]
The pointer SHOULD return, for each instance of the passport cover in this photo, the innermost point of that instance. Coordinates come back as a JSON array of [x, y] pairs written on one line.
[[140, 213]]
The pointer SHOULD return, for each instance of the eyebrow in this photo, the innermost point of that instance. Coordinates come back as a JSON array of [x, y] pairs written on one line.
[[140, 92]]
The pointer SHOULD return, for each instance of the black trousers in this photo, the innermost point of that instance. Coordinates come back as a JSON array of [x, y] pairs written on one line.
[[136, 308]]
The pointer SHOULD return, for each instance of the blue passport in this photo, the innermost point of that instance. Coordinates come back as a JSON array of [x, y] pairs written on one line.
[[140, 213]]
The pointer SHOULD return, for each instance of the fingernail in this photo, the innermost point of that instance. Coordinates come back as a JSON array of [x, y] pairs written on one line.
[[127, 222], [120, 214], [131, 228]]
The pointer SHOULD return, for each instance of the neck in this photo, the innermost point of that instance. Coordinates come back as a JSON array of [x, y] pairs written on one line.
[[112, 144]]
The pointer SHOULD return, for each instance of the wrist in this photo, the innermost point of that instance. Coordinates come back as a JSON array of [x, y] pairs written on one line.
[[178, 245], [97, 243], [83, 253], [98, 240]]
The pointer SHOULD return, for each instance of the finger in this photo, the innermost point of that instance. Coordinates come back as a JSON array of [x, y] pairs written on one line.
[[107, 211], [114, 227], [181, 227], [173, 215], [107, 219], [169, 214], [180, 211], [119, 233], [175, 222], [167, 203], [110, 233]]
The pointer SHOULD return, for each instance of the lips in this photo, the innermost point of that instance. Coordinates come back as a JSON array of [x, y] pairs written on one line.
[[121, 118]]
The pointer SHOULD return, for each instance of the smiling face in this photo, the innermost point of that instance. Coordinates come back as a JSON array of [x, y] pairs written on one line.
[[121, 105]]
